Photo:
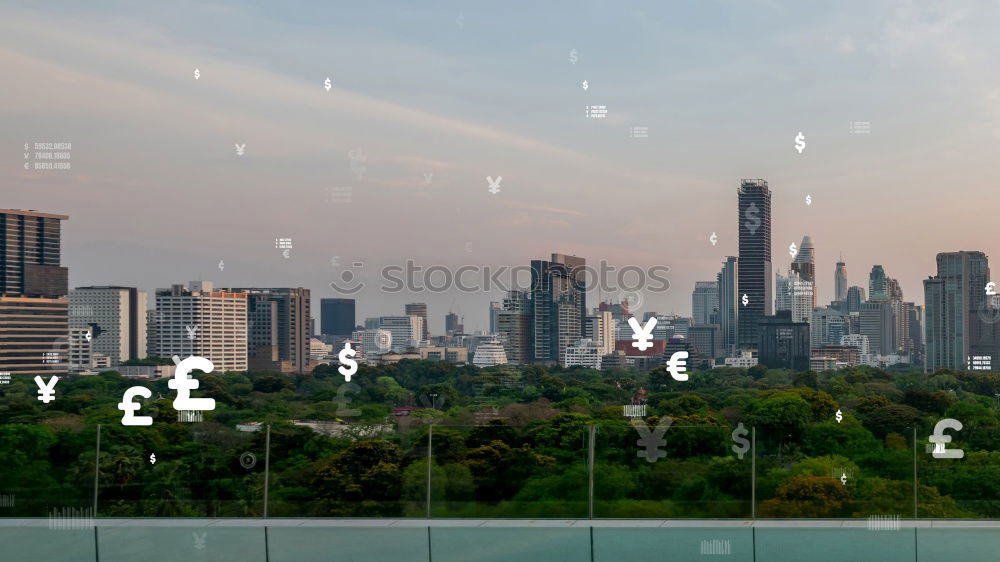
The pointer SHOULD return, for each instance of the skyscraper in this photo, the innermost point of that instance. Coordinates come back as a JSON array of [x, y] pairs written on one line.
[[452, 324], [514, 326], [558, 305], [795, 295], [704, 301], [953, 300], [419, 309], [278, 328], [855, 296], [840, 281], [337, 317], [495, 308], [877, 287], [34, 310], [406, 330], [754, 278], [729, 304], [878, 324], [115, 318], [805, 266]]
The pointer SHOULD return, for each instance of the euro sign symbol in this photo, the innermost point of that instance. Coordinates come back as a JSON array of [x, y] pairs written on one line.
[[342, 401], [130, 407], [753, 219], [991, 288], [348, 366], [677, 365], [939, 437], [184, 385]]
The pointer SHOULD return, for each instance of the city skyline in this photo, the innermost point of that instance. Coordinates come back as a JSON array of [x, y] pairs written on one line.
[[418, 95]]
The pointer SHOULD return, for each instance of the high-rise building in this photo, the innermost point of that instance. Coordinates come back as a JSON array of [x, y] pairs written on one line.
[[707, 339], [805, 266], [827, 327], [784, 343], [954, 299], [115, 318], [704, 301], [514, 326], [729, 304], [858, 341], [558, 305], [795, 295], [419, 309], [916, 324], [855, 296], [406, 330], [878, 288], [278, 328], [840, 281], [34, 310], [337, 317], [754, 278], [452, 324], [495, 308], [200, 321], [878, 324]]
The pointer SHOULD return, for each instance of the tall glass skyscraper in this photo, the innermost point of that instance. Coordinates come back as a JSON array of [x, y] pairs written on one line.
[[953, 300], [755, 259], [729, 304], [840, 281], [559, 305], [878, 289]]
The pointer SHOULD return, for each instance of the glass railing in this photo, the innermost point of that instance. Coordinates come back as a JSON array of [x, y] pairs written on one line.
[[564, 466]]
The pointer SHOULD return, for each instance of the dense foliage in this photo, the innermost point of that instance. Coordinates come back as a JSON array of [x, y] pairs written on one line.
[[508, 442]]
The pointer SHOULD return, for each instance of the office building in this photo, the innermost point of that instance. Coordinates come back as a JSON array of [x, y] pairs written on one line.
[[600, 328], [804, 265], [916, 324], [855, 296], [198, 320], [795, 295], [514, 326], [116, 318], [841, 355], [34, 309], [858, 341], [558, 305], [840, 281], [877, 287], [953, 300], [729, 304], [878, 324], [754, 278], [419, 309], [406, 330], [337, 317], [457, 355], [828, 325], [783, 343], [584, 353], [704, 301], [371, 342], [278, 328], [707, 339]]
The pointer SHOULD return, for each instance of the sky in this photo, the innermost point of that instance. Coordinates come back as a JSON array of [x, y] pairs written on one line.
[[157, 193]]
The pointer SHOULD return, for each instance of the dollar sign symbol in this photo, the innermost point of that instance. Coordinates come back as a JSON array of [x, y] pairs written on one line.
[[800, 142], [343, 401], [745, 299], [348, 366], [840, 416], [197, 74], [572, 56], [753, 220], [327, 84], [739, 437]]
